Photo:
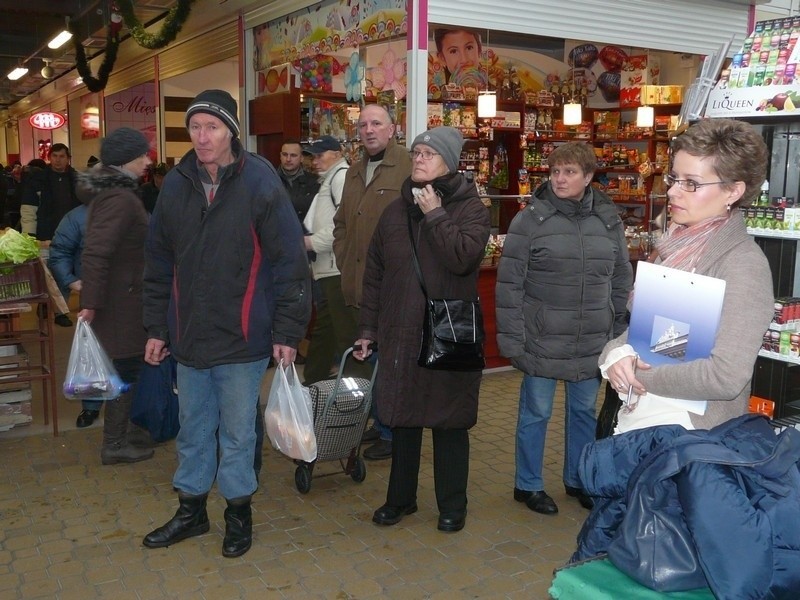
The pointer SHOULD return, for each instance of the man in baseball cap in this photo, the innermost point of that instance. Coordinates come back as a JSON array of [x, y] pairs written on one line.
[[323, 144]]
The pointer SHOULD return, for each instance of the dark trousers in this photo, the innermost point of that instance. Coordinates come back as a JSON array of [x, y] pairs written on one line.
[[450, 467], [365, 370], [333, 331]]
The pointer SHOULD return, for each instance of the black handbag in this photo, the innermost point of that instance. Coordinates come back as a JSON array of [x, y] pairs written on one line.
[[609, 412], [452, 333]]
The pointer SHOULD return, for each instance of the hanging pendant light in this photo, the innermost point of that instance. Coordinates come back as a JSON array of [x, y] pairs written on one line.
[[487, 104], [572, 110], [487, 99], [645, 116], [572, 114]]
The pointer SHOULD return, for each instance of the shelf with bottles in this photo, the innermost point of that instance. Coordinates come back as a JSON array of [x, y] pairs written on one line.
[[776, 217], [763, 75]]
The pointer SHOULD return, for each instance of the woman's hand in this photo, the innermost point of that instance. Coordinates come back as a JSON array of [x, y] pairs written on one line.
[[428, 199], [87, 314], [365, 351], [622, 375]]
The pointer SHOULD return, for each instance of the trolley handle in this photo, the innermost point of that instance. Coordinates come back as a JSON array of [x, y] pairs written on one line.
[[372, 346]]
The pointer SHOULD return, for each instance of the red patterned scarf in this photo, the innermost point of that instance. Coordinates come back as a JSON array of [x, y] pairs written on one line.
[[682, 246]]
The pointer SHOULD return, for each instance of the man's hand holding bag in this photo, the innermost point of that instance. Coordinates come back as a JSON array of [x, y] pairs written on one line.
[[289, 422]]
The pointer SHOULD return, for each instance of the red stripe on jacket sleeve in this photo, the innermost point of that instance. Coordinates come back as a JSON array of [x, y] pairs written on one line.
[[247, 303]]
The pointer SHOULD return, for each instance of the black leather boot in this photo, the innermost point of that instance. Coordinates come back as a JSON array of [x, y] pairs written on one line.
[[191, 519], [238, 527]]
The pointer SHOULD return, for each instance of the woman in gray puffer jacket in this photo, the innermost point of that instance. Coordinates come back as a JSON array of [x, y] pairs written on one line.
[[562, 286]]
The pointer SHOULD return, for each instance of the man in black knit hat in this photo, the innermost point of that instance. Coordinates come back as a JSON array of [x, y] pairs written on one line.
[[226, 288]]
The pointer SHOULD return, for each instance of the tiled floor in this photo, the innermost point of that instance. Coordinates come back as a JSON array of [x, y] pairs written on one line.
[[72, 528]]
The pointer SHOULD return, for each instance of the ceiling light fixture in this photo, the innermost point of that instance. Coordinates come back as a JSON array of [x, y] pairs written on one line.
[[487, 99], [572, 110], [47, 71], [61, 39], [487, 104], [17, 73], [645, 116]]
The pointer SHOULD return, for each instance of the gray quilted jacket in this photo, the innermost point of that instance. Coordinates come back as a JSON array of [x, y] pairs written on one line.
[[562, 285]]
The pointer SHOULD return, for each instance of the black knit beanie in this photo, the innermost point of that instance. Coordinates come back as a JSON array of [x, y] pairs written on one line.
[[218, 103], [123, 145]]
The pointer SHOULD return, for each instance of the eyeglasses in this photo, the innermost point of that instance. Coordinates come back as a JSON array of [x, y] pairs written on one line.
[[424, 155], [688, 185]]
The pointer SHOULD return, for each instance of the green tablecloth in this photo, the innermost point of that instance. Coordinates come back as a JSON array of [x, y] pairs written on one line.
[[598, 579]]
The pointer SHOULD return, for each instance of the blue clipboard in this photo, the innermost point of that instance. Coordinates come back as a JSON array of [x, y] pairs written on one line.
[[675, 314]]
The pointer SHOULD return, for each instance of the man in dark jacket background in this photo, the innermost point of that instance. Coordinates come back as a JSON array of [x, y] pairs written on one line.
[[562, 289], [226, 286], [47, 198], [301, 185], [46, 202]]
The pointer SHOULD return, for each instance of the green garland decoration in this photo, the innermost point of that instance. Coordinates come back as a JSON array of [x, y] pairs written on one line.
[[172, 25], [95, 84]]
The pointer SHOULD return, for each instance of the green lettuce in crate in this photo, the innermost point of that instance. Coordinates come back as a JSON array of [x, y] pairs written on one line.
[[16, 247]]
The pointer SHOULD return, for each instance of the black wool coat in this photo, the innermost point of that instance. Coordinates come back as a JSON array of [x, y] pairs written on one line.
[[451, 241]]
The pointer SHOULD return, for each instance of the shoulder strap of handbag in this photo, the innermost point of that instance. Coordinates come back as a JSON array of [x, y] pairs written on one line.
[[333, 199], [414, 256]]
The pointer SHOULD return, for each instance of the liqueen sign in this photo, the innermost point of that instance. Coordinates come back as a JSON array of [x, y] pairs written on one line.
[[772, 101]]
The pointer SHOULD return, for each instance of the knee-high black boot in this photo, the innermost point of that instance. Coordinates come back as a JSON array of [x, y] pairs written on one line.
[[238, 527], [191, 519]]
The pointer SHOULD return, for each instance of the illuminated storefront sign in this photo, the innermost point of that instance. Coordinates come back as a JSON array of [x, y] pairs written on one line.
[[47, 120]]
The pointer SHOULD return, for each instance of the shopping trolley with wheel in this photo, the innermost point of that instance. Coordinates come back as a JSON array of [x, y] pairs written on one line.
[[340, 408]]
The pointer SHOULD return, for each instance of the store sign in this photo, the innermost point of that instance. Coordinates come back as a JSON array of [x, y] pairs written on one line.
[[761, 101], [47, 120]]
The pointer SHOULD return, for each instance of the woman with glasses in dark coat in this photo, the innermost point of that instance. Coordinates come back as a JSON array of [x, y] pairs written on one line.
[[450, 228]]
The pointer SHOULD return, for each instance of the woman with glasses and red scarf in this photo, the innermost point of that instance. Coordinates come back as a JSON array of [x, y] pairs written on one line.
[[718, 166]]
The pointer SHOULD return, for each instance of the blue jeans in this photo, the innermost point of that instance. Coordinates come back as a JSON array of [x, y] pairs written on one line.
[[224, 398], [535, 409]]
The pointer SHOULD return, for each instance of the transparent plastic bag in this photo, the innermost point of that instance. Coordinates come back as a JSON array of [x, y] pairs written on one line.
[[290, 425], [90, 373]]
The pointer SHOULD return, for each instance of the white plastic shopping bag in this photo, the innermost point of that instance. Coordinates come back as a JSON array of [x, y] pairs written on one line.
[[290, 424], [90, 372]]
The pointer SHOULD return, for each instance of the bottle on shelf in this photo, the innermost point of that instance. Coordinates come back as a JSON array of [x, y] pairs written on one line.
[[763, 198]]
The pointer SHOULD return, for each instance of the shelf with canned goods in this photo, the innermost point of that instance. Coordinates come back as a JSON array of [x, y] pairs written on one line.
[[792, 360]]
